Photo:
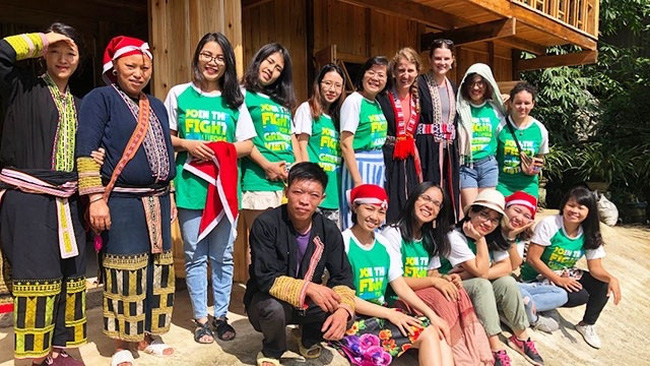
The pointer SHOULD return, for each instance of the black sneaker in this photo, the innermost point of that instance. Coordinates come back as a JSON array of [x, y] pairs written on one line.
[[527, 349]]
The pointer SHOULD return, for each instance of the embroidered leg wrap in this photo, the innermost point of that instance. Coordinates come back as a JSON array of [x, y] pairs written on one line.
[[162, 303], [125, 291], [75, 312], [34, 305]]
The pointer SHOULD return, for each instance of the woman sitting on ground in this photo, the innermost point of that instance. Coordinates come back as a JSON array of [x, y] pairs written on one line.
[[559, 242], [479, 255], [420, 236], [538, 297], [374, 265]]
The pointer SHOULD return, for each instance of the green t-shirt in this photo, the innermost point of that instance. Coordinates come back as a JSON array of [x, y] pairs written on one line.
[[372, 267], [561, 251], [534, 141], [272, 123], [324, 148], [416, 261], [463, 248], [365, 119], [199, 116], [484, 125]]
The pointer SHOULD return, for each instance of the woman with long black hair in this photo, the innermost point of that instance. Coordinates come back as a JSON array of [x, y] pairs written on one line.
[[208, 109]]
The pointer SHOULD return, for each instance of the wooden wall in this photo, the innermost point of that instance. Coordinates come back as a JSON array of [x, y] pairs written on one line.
[[282, 21], [175, 28]]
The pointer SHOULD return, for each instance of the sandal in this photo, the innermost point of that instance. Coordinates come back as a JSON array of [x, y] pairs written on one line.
[[225, 331], [312, 352], [157, 348], [201, 331], [123, 356], [261, 359]]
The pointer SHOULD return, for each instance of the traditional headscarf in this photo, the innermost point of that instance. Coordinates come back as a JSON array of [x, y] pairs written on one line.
[[465, 111], [370, 194], [121, 46], [522, 198]]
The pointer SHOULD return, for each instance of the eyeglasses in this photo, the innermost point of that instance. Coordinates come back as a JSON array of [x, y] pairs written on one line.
[[207, 57], [329, 85], [430, 200], [372, 74], [479, 83], [483, 215]]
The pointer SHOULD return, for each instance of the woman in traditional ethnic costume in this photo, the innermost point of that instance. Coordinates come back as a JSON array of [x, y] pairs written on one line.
[[420, 237], [209, 120], [379, 333], [363, 133], [40, 223], [129, 199], [317, 131], [401, 107], [436, 133]]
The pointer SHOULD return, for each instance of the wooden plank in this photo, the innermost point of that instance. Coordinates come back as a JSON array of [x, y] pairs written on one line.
[[475, 33], [569, 59], [410, 10], [540, 21], [523, 44]]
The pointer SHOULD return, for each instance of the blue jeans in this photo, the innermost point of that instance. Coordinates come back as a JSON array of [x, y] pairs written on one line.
[[218, 246], [482, 173], [542, 297]]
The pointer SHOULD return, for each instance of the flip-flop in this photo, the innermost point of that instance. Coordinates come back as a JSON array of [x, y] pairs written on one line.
[[157, 348], [123, 356], [261, 359]]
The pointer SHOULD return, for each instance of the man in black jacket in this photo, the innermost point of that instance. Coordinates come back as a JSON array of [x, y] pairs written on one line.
[[291, 246]]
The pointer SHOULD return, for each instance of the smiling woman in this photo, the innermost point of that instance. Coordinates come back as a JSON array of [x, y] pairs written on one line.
[[401, 107], [363, 132], [213, 101]]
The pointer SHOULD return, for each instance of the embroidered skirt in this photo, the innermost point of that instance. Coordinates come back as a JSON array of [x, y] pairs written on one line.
[[138, 285], [372, 170], [49, 292], [376, 341]]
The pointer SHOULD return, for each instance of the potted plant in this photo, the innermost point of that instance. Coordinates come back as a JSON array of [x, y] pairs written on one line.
[[599, 164]]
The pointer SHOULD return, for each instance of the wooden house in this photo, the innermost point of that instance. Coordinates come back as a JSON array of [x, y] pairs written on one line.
[[495, 32]]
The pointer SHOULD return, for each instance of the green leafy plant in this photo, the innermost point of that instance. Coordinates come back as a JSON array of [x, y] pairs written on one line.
[[600, 162]]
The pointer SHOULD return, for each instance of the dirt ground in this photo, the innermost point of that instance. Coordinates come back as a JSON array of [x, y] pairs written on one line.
[[622, 328]]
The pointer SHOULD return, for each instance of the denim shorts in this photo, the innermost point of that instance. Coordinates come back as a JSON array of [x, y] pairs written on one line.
[[483, 173]]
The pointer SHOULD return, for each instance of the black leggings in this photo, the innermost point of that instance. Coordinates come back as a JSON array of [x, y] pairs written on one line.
[[593, 293]]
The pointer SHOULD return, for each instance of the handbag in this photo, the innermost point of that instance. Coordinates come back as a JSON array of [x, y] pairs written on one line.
[[526, 163]]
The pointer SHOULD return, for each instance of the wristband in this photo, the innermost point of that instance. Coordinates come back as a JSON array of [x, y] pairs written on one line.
[[96, 199]]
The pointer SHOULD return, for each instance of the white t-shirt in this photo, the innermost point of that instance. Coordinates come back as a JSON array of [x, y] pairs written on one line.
[[461, 252], [552, 228], [303, 119], [394, 237]]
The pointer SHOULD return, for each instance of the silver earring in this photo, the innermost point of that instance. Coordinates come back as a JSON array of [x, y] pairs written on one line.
[[114, 72]]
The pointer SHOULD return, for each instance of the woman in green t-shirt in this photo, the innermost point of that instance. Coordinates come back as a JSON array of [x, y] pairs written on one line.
[[379, 332], [522, 142], [363, 132], [420, 236], [269, 97], [480, 108], [316, 124], [558, 243], [208, 109]]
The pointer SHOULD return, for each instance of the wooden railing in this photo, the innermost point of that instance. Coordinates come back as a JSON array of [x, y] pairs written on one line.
[[580, 14]]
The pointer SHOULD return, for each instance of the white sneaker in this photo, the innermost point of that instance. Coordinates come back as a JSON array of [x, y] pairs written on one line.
[[588, 332]]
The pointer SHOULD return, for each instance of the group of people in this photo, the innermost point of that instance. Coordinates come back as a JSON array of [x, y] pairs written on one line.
[[412, 170]]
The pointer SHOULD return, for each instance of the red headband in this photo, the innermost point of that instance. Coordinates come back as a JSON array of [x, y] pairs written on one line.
[[122, 46], [369, 194], [522, 198]]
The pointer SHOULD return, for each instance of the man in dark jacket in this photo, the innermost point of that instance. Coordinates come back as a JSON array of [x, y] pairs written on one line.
[[291, 246]]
